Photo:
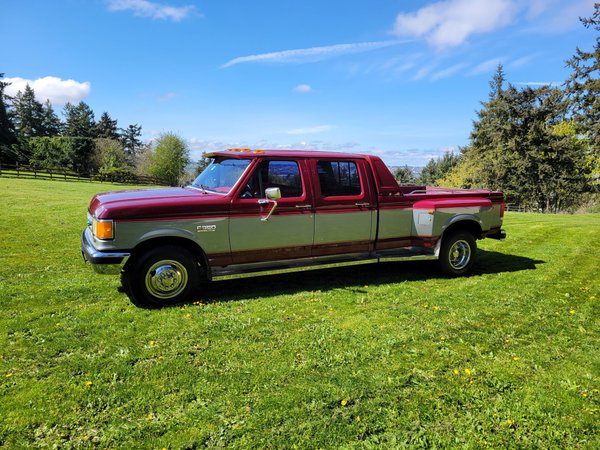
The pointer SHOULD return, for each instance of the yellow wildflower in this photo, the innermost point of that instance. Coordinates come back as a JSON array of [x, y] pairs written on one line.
[[455, 372], [358, 418], [151, 343], [572, 311], [468, 371], [88, 383], [516, 358], [344, 402], [188, 315], [8, 375]]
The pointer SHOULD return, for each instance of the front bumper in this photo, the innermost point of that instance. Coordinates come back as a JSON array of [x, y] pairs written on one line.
[[109, 263]]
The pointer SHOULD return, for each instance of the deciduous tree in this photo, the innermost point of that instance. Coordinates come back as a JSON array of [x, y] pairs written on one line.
[[170, 157]]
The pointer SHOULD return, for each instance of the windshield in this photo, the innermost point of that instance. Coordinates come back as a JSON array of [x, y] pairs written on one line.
[[221, 175]]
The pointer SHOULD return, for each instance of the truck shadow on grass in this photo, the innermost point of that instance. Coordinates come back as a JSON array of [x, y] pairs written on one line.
[[488, 262]]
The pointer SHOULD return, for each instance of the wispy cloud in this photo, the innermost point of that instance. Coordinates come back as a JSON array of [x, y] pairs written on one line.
[[486, 66], [310, 130], [445, 73], [538, 83], [146, 8], [302, 89], [56, 90], [449, 23], [312, 54]]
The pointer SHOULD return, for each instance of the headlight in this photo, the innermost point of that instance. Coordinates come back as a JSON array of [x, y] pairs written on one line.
[[103, 229]]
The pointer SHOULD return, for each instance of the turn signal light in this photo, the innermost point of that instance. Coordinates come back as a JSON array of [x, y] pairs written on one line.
[[502, 210], [103, 229]]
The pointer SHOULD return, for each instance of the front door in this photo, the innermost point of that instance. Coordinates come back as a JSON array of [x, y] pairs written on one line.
[[289, 231]]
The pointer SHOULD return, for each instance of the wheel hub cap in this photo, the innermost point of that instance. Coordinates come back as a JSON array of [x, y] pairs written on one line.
[[460, 254], [166, 279]]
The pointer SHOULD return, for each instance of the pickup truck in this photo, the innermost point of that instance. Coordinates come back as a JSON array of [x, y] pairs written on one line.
[[256, 211]]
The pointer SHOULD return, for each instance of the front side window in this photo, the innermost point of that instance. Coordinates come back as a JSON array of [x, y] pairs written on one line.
[[284, 175], [338, 178], [221, 175]]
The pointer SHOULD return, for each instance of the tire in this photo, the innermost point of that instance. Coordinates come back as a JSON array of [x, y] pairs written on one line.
[[458, 253], [162, 276]]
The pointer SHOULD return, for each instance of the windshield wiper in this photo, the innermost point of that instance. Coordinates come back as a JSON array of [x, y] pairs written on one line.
[[202, 187]]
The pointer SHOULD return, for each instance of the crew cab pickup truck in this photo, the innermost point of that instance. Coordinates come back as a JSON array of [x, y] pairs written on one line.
[[252, 211]]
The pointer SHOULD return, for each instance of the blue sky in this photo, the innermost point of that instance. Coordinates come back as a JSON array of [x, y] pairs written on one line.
[[398, 78]]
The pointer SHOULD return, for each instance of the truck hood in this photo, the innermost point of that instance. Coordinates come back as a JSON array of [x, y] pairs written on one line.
[[156, 203]]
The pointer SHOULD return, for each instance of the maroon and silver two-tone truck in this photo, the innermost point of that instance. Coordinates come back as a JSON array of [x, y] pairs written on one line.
[[253, 211]]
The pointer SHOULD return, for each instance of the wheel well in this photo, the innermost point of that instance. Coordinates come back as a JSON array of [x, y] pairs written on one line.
[[465, 225], [191, 246]]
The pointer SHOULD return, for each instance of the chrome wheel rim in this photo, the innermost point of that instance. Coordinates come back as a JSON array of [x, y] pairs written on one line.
[[166, 279], [459, 255]]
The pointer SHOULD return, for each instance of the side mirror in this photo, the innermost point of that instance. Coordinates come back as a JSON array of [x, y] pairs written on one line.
[[273, 193]]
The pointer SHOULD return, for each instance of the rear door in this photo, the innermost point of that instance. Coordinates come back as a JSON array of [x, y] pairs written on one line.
[[345, 207], [289, 231]]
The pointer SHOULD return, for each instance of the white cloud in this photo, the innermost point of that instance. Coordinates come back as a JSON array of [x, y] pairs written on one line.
[[486, 66], [538, 83], [449, 23], [445, 73], [145, 8], [302, 88], [312, 54], [310, 130], [56, 90]]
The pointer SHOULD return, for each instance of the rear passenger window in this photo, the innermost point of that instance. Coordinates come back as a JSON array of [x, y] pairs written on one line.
[[338, 178], [282, 174]]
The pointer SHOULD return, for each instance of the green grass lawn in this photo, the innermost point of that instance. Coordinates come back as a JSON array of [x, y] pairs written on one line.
[[387, 355]]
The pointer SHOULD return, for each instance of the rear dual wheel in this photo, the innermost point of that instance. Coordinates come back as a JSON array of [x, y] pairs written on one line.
[[458, 253], [162, 276]]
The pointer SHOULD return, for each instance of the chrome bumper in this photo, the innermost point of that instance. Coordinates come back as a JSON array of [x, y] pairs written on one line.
[[108, 263]]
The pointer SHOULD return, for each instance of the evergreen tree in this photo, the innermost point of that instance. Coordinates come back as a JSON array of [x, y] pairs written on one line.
[[170, 158], [79, 121], [515, 148], [130, 138], [29, 114], [437, 169], [7, 129], [404, 175], [51, 123], [107, 127], [583, 88]]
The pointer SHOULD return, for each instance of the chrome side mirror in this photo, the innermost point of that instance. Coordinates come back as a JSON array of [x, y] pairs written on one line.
[[273, 193]]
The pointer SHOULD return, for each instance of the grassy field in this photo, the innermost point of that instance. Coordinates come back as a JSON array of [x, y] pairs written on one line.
[[366, 357]]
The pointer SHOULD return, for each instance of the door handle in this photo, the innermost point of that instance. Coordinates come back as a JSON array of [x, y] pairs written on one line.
[[304, 206], [363, 205]]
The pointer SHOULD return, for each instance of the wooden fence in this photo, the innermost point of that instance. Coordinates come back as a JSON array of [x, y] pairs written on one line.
[[64, 174]]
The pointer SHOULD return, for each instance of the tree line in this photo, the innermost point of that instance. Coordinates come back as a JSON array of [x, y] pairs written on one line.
[[32, 133], [539, 145]]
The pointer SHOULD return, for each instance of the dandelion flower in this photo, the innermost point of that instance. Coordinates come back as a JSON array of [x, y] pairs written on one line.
[[455, 372], [468, 371], [516, 358], [344, 402], [358, 418], [88, 383], [151, 343], [8, 375], [572, 311], [188, 315]]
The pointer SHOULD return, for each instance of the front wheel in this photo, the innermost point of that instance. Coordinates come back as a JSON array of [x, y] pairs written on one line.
[[162, 276], [457, 253]]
